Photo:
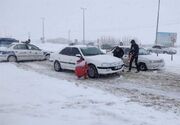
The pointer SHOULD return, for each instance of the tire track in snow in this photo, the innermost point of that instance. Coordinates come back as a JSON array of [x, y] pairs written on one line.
[[158, 89]]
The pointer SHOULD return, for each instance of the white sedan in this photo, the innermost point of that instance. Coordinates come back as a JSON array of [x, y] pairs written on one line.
[[162, 49], [145, 59], [98, 62], [22, 52]]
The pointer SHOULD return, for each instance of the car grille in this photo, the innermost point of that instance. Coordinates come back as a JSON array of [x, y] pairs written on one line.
[[157, 61], [112, 68]]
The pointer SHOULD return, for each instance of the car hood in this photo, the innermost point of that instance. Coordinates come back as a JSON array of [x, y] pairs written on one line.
[[103, 59], [3, 48], [150, 57]]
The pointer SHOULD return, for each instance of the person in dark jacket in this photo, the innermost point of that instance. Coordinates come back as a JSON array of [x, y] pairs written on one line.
[[118, 52], [134, 52]]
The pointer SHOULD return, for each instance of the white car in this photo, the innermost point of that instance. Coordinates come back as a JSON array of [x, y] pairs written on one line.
[[22, 52], [98, 62], [145, 59], [162, 49]]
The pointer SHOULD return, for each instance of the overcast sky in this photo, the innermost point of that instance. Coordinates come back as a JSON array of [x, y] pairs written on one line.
[[115, 18]]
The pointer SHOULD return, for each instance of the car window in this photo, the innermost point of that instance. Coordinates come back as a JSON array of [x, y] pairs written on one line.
[[21, 47], [143, 51], [66, 51], [91, 51], [126, 51], [75, 51], [32, 47]]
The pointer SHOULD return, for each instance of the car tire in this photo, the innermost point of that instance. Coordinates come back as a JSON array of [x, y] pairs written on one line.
[[57, 66], [92, 72], [142, 67], [12, 59]]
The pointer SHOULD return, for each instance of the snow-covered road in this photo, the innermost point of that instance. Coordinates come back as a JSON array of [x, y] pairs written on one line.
[[31, 96], [157, 89]]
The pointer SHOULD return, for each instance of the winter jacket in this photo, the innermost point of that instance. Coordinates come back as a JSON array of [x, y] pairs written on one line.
[[134, 50]]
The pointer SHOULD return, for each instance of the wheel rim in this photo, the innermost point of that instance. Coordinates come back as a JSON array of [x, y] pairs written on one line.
[[142, 67], [12, 59], [57, 66], [91, 71]]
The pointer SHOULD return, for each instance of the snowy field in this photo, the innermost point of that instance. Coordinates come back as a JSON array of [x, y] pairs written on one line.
[[33, 93], [29, 98], [172, 66]]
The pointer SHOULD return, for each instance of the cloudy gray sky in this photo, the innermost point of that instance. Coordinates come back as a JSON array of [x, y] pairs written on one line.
[[115, 18]]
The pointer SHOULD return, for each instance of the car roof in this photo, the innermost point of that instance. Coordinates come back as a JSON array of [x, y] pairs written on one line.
[[79, 46]]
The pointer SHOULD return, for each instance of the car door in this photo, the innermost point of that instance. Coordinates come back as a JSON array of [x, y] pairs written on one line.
[[73, 58], [21, 52], [65, 58], [35, 52]]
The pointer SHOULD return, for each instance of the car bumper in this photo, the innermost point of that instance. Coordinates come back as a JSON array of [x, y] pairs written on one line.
[[156, 65], [110, 70], [3, 58]]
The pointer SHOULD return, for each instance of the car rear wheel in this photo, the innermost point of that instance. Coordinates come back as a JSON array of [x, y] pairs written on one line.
[[142, 67], [57, 66], [12, 59], [92, 71]]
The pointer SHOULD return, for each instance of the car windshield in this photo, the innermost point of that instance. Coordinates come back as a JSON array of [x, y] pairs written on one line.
[[10, 45], [91, 51], [143, 51]]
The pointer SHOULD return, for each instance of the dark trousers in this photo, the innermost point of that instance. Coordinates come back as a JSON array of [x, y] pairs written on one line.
[[136, 62]]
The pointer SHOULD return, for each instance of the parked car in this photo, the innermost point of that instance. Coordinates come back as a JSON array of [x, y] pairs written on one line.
[[145, 60], [162, 49], [5, 42], [98, 62], [22, 52]]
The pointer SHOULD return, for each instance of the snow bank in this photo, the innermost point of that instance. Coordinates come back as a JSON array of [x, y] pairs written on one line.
[[28, 98], [172, 65]]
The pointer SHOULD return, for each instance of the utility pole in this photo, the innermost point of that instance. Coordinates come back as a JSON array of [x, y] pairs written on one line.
[[157, 25], [43, 37], [83, 9]]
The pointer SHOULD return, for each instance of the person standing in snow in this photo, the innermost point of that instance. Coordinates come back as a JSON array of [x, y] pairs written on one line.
[[118, 52], [81, 68], [133, 54]]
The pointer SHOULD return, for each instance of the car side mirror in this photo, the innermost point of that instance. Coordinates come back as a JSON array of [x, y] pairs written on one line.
[[78, 55]]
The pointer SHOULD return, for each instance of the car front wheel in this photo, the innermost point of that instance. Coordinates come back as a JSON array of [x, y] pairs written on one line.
[[12, 59], [142, 67], [57, 66], [92, 71]]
